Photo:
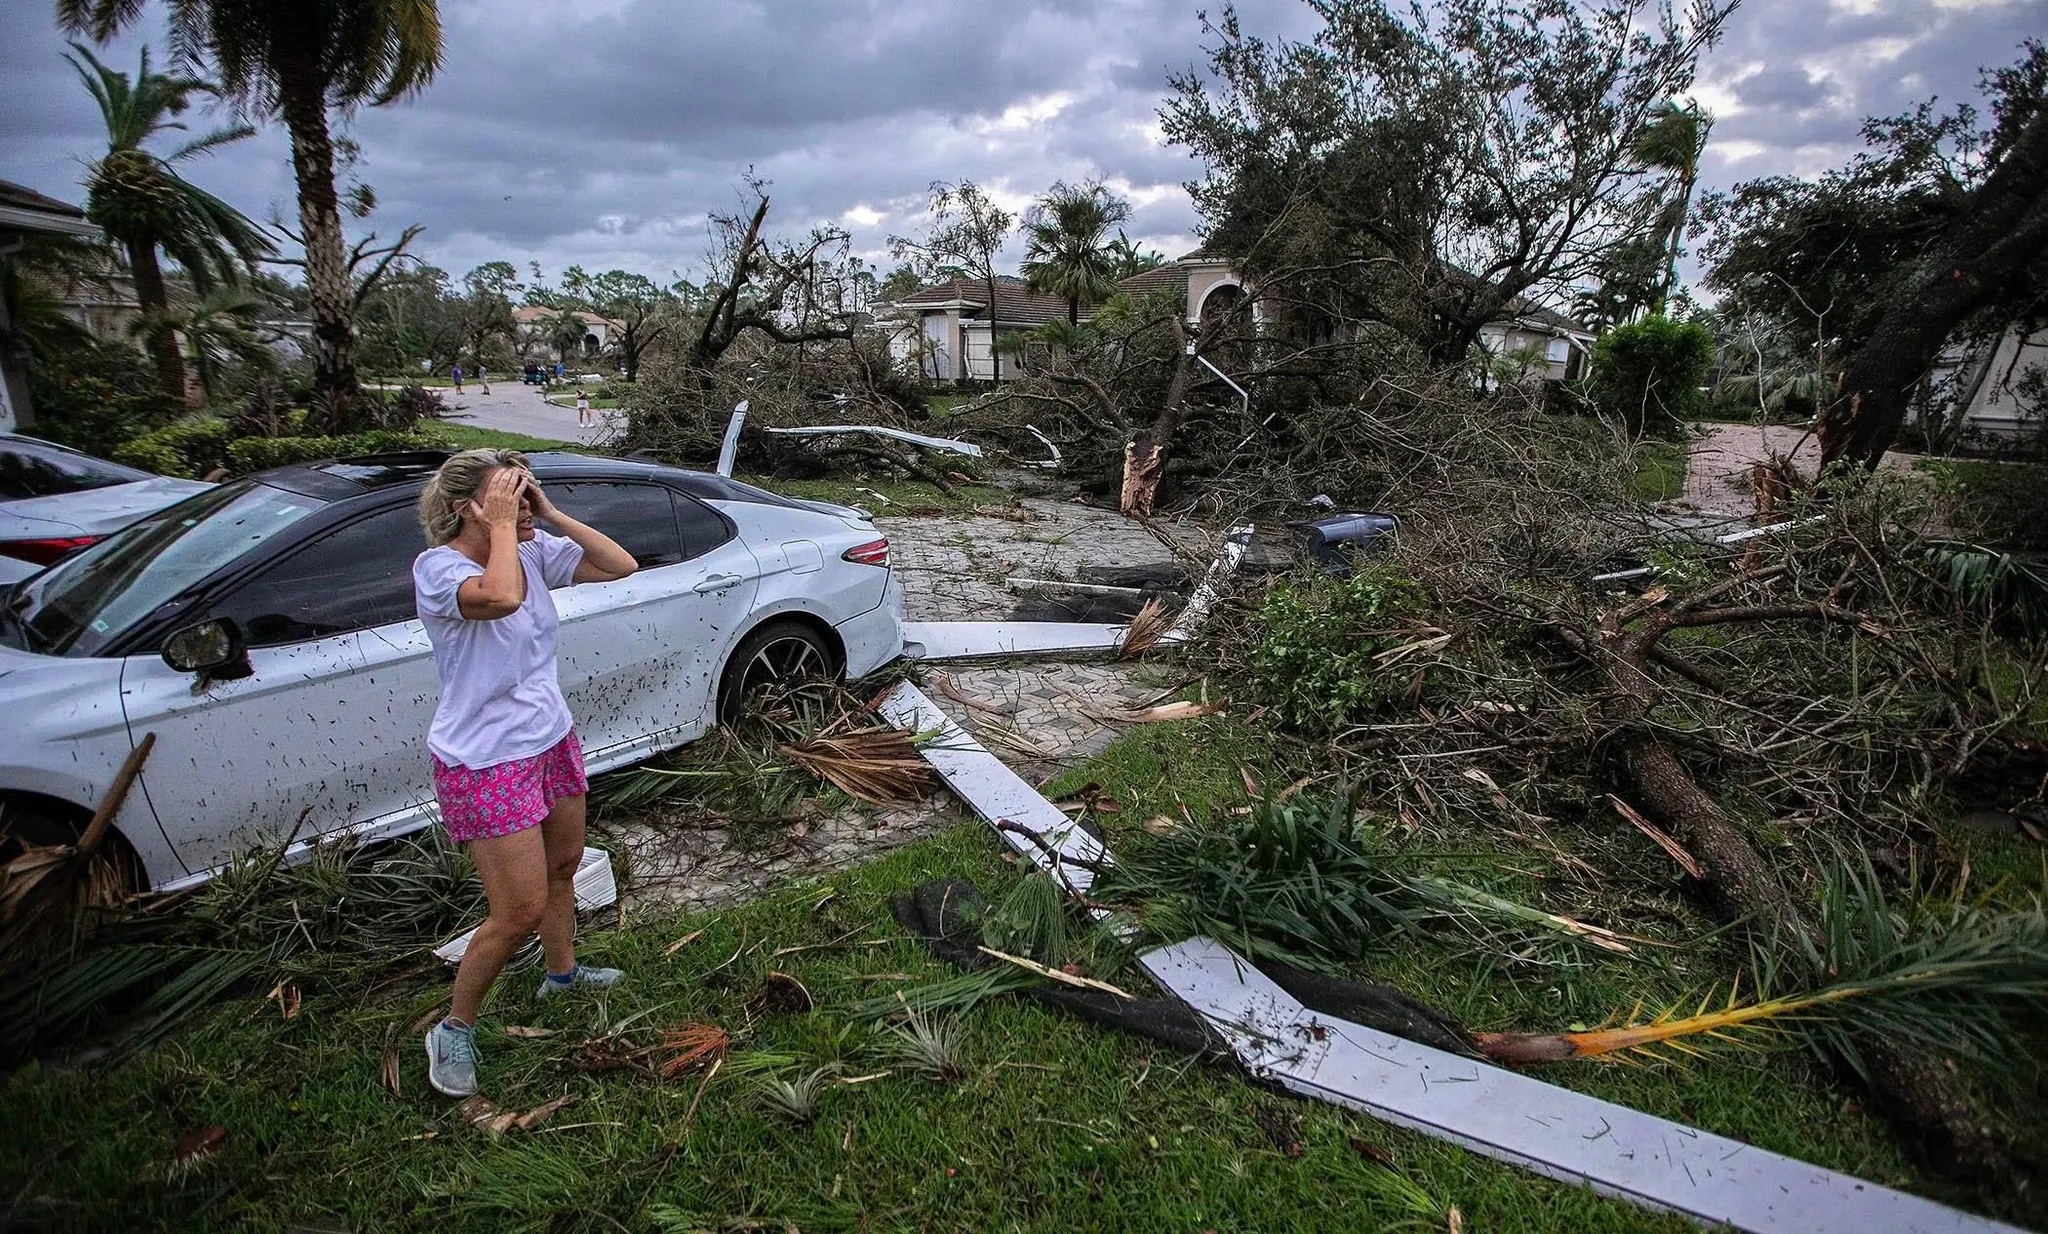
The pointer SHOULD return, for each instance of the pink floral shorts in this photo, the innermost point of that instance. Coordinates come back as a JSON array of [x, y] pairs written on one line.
[[480, 802]]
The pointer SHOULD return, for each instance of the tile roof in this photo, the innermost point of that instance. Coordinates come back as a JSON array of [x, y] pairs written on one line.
[[21, 197], [1172, 276], [1016, 303]]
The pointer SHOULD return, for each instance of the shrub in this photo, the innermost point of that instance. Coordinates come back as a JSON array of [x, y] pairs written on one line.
[[190, 448], [1648, 374], [196, 447], [95, 396], [257, 453], [1315, 659]]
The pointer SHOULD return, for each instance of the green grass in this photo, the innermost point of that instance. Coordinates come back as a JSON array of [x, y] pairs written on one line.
[[596, 404], [468, 436], [1660, 471], [943, 406], [1057, 1125]]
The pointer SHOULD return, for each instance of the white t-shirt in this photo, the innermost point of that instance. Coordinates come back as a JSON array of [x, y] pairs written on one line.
[[500, 699]]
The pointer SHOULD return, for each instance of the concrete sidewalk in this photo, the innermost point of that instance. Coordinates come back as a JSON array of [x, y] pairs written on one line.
[[514, 408]]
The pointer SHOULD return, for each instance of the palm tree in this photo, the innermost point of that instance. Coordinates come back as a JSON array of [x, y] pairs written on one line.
[[294, 61], [1067, 249], [138, 198], [220, 328], [1671, 142], [1127, 258]]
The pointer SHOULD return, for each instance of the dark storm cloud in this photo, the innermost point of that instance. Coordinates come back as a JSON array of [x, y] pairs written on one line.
[[602, 133]]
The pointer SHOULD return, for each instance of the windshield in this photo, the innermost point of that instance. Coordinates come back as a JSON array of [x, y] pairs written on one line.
[[93, 596]]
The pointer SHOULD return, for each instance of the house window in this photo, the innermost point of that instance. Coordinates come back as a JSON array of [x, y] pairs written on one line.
[[1558, 350]]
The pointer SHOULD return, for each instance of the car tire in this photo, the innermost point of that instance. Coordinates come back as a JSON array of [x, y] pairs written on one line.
[[779, 651], [27, 821]]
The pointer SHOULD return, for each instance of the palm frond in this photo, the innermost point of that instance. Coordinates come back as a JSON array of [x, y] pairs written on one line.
[[1955, 978]]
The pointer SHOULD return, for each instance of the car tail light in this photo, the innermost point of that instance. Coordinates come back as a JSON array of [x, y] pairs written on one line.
[[43, 552], [873, 553]]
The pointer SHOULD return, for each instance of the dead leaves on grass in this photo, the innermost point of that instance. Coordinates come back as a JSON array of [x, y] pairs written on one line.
[[480, 1112]]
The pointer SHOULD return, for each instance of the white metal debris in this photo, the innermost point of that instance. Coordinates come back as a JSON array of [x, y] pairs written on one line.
[[728, 450], [946, 444], [1047, 464], [1512, 1117], [1017, 582], [1235, 543], [996, 793], [970, 640], [596, 887]]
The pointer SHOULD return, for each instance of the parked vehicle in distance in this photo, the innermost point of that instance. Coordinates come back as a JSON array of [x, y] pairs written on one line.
[[54, 499], [264, 630]]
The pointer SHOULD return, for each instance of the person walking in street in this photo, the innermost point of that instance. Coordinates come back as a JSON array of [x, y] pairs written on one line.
[[456, 372], [482, 378], [583, 419], [508, 771]]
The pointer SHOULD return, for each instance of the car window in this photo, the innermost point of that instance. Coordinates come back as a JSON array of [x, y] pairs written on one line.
[[703, 529], [97, 594], [357, 576], [32, 469], [641, 517]]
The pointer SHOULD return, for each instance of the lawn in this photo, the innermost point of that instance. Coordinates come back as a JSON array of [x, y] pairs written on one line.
[[1660, 471], [458, 436], [1055, 1124]]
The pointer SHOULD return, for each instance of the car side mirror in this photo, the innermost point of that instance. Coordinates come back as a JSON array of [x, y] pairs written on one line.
[[213, 649]]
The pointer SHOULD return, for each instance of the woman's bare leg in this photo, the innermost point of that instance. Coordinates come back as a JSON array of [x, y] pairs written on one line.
[[514, 869], [562, 831]]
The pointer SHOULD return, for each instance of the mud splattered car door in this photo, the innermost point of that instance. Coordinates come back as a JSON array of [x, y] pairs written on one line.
[[639, 656], [332, 723]]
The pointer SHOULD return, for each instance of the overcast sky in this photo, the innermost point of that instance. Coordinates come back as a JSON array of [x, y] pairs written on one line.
[[602, 132]]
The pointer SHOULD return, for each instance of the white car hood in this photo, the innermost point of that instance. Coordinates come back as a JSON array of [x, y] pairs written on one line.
[[97, 511]]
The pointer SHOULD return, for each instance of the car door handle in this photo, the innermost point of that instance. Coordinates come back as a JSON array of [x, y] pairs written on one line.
[[717, 582]]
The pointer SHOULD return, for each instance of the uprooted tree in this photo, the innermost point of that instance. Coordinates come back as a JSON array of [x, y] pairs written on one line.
[[1931, 238]]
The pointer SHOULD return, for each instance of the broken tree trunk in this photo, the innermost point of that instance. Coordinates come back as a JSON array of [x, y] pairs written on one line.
[[1924, 1098]]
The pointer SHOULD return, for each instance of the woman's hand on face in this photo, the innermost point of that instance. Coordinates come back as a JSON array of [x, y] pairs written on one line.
[[498, 505], [542, 507]]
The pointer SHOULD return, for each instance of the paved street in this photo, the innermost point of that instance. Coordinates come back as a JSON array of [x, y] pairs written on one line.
[[514, 408]]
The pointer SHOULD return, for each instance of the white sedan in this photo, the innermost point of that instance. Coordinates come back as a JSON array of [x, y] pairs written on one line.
[[264, 630]]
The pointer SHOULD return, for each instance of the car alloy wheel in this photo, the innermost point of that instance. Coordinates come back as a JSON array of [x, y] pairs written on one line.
[[781, 653]]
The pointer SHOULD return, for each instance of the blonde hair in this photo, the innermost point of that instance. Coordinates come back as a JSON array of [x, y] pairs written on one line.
[[457, 483]]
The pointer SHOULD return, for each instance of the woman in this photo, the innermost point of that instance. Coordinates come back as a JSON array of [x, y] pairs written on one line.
[[507, 769]]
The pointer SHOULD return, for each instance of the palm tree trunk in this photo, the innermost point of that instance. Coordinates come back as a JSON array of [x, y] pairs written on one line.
[[327, 281], [1670, 279], [149, 293]]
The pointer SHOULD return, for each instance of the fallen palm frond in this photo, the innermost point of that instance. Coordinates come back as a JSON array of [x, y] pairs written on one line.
[[1306, 883], [341, 909], [1147, 626], [1951, 979], [47, 887], [879, 765]]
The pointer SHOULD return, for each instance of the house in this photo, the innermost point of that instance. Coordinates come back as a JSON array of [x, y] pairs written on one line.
[[944, 331], [2003, 393], [25, 212], [535, 331]]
